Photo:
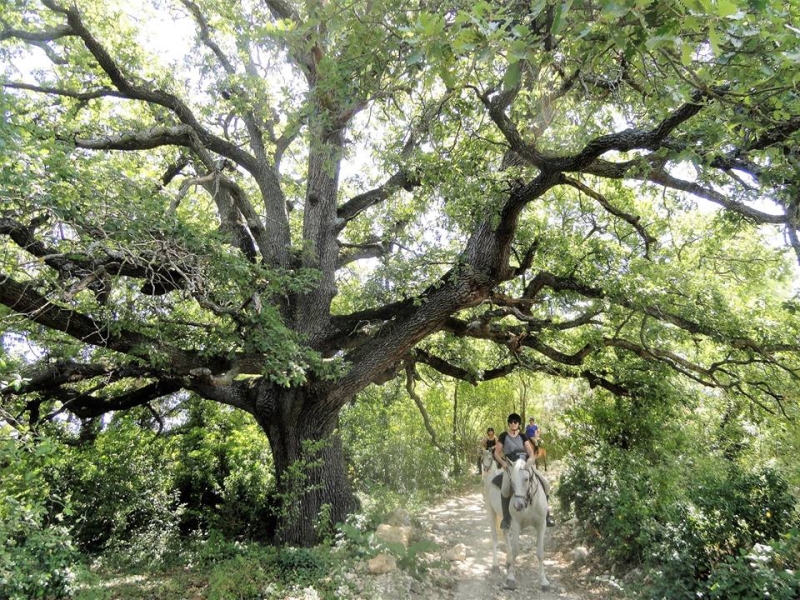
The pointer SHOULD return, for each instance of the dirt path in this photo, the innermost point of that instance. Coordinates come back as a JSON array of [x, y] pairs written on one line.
[[463, 520], [459, 525]]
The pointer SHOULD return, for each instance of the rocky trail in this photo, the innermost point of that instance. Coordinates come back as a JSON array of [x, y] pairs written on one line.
[[460, 528]]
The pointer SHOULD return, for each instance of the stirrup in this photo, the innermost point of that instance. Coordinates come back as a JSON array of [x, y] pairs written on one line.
[[551, 522]]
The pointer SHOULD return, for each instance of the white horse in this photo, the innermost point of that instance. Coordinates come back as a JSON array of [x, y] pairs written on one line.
[[528, 507], [488, 465]]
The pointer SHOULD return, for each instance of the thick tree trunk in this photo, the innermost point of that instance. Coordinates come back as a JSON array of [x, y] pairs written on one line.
[[313, 489], [321, 252]]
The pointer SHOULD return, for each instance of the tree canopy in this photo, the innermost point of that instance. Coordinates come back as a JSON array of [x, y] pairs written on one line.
[[299, 199]]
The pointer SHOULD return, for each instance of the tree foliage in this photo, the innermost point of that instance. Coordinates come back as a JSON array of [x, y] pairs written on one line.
[[674, 502], [37, 552], [312, 197]]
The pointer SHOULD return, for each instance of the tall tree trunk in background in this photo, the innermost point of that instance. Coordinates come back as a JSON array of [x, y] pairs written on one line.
[[523, 401], [456, 463]]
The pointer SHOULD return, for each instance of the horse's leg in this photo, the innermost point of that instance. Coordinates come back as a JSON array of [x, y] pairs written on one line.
[[540, 529], [489, 495], [512, 549], [492, 516]]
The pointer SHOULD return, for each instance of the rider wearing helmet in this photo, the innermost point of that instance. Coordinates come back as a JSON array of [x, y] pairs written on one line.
[[511, 445]]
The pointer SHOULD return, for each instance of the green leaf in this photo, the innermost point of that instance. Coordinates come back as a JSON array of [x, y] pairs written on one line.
[[660, 41], [726, 8], [447, 76], [714, 39], [513, 76], [536, 8], [520, 31], [687, 55], [560, 16]]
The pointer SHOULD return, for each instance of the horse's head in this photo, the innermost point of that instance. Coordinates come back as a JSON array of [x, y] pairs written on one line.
[[487, 460], [522, 479]]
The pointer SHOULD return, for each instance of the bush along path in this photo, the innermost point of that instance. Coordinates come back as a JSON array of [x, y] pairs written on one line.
[[463, 571]]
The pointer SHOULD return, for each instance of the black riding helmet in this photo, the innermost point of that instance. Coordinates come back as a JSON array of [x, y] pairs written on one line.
[[514, 418]]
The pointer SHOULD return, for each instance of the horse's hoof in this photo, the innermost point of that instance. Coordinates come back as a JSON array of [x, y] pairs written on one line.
[[545, 587], [511, 584], [495, 569]]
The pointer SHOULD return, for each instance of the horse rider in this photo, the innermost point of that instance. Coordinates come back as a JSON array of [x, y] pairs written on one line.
[[532, 431], [510, 446], [487, 443]]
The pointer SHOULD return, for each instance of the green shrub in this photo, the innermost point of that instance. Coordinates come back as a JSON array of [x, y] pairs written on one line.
[[246, 576], [755, 574], [261, 572], [380, 437], [37, 556], [411, 559], [726, 513], [303, 566], [213, 548], [617, 502], [699, 537], [135, 494], [223, 472], [245, 510], [356, 537], [121, 492], [765, 571]]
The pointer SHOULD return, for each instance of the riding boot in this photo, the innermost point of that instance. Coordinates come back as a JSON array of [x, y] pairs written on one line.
[[550, 520], [506, 512]]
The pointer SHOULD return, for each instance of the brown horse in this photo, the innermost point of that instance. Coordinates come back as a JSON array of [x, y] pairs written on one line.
[[540, 457]]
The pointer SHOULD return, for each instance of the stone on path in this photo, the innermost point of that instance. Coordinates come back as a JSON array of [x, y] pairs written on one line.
[[393, 534], [457, 553], [382, 563]]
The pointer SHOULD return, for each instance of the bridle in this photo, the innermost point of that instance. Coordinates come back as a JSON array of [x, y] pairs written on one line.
[[533, 481]]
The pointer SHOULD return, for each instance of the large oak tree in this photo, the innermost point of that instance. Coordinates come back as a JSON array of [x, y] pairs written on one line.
[[317, 196]]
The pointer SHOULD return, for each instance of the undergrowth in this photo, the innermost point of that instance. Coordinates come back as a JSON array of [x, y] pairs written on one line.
[[214, 568]]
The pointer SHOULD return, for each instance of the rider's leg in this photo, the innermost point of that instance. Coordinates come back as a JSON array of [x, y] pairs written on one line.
[[506, 522], [505, 501]]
